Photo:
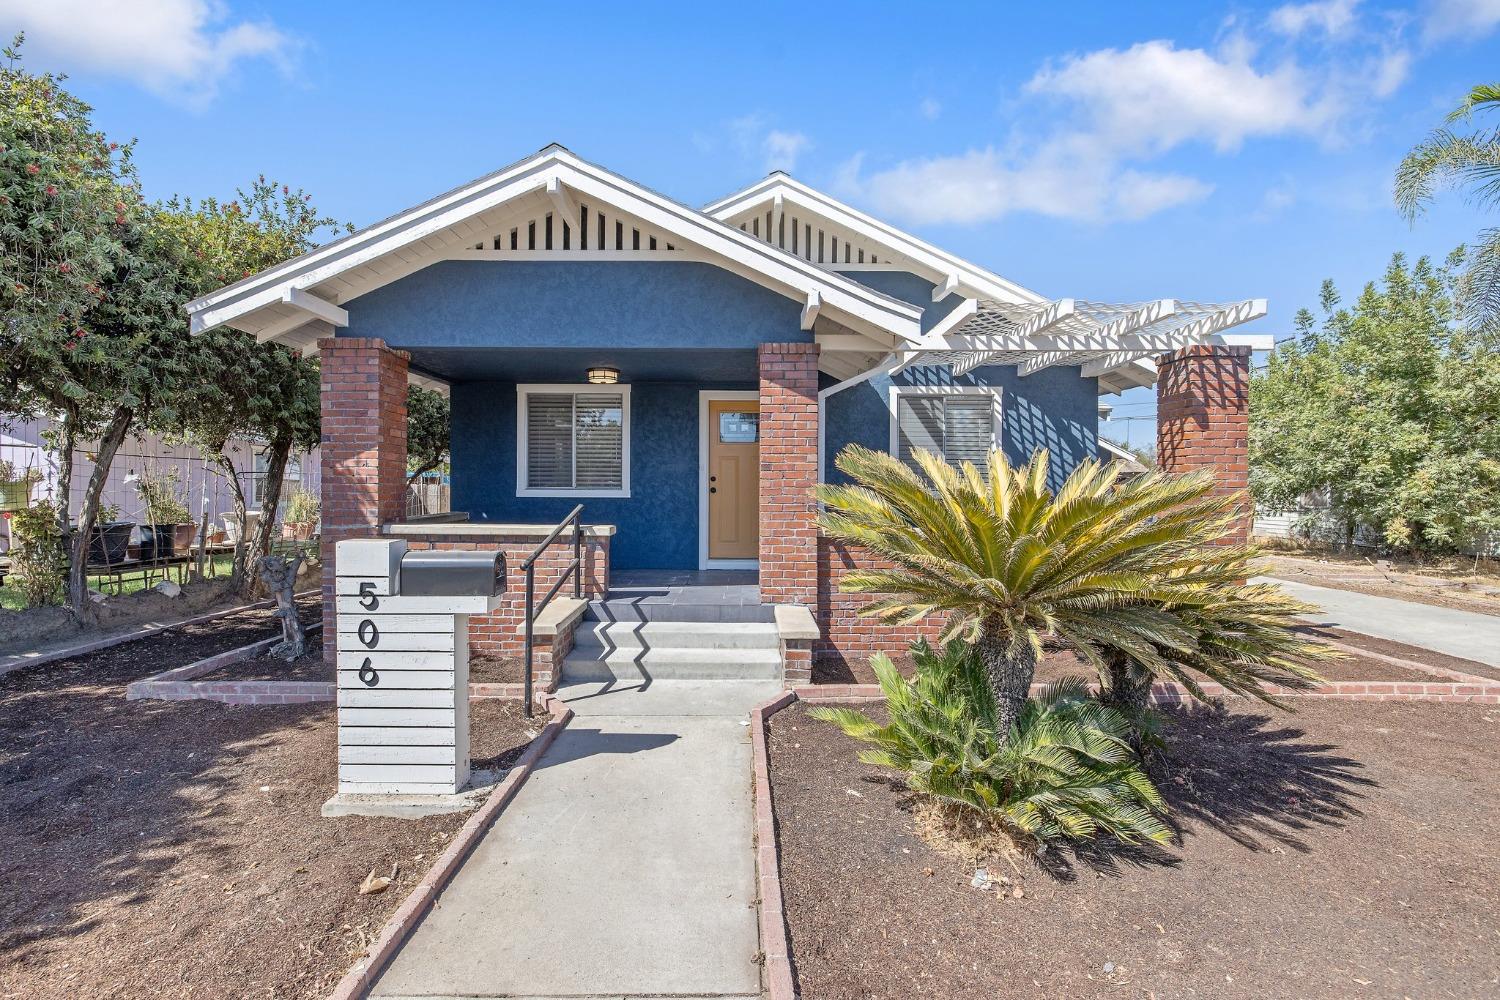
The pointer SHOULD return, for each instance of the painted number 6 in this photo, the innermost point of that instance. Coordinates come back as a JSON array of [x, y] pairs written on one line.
[[368, 675]]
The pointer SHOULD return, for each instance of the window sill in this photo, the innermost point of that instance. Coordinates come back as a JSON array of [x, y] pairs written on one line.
[[578, 494]]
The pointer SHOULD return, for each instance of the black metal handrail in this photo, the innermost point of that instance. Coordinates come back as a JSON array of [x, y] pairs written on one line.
[[574, 570]]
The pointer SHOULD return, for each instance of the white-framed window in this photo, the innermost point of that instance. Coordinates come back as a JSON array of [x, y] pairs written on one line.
[[959, 422], [290, 479], [573, 440]]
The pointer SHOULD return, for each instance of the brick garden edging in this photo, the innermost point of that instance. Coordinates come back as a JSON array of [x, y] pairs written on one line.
[[18, 661], [1478, 690], [401, 923], [178, 684], [773, 934]]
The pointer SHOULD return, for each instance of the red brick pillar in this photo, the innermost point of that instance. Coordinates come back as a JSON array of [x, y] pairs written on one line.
[[788, 472], [363, 449], [1202, 418]]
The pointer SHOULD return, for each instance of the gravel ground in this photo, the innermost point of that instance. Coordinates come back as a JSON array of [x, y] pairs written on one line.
[[1344, 851]]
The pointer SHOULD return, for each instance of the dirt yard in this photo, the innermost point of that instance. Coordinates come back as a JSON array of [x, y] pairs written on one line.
[[1344, 851], [175, 849], [1448, 584]]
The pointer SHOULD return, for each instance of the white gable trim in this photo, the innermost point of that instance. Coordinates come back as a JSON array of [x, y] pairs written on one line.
[[560, 176], [939, 266]]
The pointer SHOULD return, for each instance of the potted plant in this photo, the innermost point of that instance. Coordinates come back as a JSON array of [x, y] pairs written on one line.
[[109, 544], [302, 511], [168, 528], [16, 484]]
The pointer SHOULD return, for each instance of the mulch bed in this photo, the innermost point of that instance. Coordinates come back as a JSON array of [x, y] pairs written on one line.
[[482, 669], [1341, 851], [175, 849], [1452, 583], [489, 669]]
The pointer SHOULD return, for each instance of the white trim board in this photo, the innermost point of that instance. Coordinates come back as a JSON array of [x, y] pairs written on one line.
[[574, 388], [704, 397]]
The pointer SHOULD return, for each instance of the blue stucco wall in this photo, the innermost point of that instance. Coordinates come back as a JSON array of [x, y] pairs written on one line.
[[657, 524]]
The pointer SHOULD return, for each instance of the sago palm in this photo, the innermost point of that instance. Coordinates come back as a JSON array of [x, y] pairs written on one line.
[[1008, 561], [1472, 161], [1063, 768]]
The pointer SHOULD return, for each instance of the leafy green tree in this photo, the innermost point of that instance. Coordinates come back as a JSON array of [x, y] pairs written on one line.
[[426, 431], [248, 389], [1009, 562], [1390, 409], [1470, 161], [1062, 768]]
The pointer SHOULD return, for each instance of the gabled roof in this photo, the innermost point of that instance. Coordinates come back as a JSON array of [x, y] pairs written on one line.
[[779, 195], [473, 221]]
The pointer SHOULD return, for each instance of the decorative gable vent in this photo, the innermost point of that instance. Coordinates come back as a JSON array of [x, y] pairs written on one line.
[[594, 229], [813, 239]]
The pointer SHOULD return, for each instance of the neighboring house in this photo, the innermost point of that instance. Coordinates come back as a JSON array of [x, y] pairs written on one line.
[[26, 446], [688, 375]]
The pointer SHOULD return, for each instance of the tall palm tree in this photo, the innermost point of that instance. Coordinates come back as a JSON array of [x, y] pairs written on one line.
[[1008, 561], [1471, 161]]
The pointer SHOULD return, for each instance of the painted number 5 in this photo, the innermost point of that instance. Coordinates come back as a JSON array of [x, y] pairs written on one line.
[[367, 598]]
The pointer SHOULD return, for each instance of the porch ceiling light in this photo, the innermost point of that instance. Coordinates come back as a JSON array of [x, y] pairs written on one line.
[[603, 375]]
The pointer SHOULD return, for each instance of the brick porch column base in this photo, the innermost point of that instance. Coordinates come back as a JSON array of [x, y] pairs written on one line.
[[363, 450], [788, 472], [1203, 418]]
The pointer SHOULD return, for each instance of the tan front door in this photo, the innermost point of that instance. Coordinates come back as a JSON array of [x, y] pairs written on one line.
[[733, 478]]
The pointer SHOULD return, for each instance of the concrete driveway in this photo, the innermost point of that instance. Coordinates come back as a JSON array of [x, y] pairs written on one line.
[[1458, 633], [624, 867]]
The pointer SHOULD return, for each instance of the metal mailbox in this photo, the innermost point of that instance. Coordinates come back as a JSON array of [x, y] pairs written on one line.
[[452, 574]]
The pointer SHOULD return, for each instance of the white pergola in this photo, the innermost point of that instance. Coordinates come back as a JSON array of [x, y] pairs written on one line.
[[1114, 342]]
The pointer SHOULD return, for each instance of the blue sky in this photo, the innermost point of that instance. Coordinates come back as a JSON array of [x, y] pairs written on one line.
[[1097, 150]]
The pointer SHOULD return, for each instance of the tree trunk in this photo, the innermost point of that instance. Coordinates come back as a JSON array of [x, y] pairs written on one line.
[[238, 567], [279, 575], [281, 448], [78, 578], [65, 469], [1127, 688], [1010, 676]]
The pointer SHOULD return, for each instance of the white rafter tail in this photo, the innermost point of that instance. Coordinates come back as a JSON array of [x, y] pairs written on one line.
[[811, 309], [1039, 323], [1225, 319], [1148, 315], [316, 308], [1105, 365], [947, 288]]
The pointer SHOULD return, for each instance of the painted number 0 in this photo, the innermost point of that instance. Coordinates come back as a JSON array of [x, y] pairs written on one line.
[[368, 675], [369, 634]]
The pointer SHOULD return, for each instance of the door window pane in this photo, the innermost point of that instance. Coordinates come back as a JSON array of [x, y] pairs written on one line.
[[739, 428]]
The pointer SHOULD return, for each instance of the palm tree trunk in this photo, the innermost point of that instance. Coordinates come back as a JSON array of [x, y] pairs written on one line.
[[1009, 675], [1127, 688]]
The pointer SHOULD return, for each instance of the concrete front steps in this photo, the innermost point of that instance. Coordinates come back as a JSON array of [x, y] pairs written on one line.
[[673, 650]]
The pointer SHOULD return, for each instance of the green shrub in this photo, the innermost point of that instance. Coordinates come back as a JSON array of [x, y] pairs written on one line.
[[303, 507], [1065, 769], [38, 554], [162, 496]]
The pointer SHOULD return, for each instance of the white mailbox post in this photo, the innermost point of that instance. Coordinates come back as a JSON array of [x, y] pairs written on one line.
[[403, 680]]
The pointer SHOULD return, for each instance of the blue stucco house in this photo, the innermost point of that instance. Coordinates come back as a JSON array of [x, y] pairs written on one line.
[[687, 374]]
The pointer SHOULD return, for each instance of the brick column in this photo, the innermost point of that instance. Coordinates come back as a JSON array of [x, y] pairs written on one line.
[[788, 472], [1202, 418], [363, 449]]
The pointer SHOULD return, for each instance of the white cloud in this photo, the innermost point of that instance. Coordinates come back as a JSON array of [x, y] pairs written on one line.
[[777, 149], [1444, 19], [783, 148], [1123, 108], [1390, 72], [1156, 96], [930, 108], [1331, 17], [180, 49]]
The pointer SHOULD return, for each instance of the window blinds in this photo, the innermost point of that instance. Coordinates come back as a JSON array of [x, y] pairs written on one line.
[[574, 441], [960, 427]]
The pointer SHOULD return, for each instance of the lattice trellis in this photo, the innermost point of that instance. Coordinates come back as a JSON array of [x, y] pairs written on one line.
[[1098, 335]]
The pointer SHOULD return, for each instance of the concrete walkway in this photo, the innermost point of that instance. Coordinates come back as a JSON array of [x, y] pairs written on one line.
[[1458, 633], [624, 867]]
